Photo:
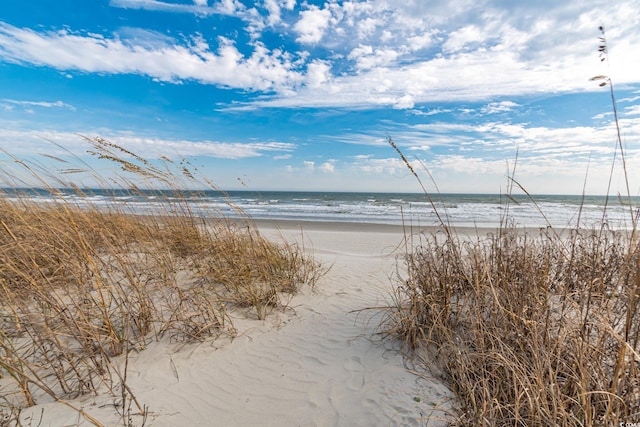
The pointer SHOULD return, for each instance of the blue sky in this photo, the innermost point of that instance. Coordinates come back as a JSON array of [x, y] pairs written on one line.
[[302, 95]]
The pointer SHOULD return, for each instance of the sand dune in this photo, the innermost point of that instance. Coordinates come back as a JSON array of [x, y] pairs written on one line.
[[320, 363]]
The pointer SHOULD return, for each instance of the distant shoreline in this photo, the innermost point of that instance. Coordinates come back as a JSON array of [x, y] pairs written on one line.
[[464, 232], [416, 211]]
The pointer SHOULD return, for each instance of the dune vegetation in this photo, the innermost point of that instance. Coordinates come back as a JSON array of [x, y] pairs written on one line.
[[84, 285], [528, 327]]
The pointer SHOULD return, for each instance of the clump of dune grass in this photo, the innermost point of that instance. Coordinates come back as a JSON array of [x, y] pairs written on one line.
[[83, 285], [249, 271], [528, 328]]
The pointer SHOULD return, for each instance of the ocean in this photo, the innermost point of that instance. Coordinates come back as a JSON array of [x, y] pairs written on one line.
[[480, 210]]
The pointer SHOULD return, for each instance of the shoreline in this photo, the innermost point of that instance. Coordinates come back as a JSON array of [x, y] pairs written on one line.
[[347, 226], [459, 232], [462, 232]]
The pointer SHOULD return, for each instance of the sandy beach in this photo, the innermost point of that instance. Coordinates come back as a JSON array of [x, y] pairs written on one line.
[[319, 363]]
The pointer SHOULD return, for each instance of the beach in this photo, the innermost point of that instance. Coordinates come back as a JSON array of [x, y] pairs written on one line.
[[320, 362]]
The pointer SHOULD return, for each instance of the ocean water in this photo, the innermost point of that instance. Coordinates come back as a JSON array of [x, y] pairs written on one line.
[[481, 210]]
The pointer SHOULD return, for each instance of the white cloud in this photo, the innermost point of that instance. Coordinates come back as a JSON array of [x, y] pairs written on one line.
[[43, 104], [576, 145], [327, 167], [367, 27], [404, 102], [499, 107], [262, 70], [227, 150], [312, 24], [459, 39], [360, 51], [229, 7], [199, 7], [273, 8], [367, 58], [40, 141], [381, 53], [470, 158], [474, 52], [431, 112], [469, 77], [387, 166], [630, 99], [318, 72], [420, 148], [634, 110], [420, 41]]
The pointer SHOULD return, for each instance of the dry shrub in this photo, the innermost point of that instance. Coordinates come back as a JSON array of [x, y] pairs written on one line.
[[528, 330], [79, 288], [81, 285], [250, 271]]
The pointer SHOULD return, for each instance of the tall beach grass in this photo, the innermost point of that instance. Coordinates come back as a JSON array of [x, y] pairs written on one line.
[[528, 328], [84, 285]]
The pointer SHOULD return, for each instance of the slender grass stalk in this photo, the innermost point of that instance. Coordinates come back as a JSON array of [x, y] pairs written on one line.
[[603, 50]]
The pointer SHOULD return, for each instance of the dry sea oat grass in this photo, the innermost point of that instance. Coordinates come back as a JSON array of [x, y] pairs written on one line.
[[82, 286], [528, 329]]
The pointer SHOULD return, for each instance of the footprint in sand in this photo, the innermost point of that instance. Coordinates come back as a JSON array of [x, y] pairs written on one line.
[[356, 371]]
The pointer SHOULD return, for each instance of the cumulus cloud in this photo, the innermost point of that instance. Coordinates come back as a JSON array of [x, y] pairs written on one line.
[[318, 72], [367, 58], [460, 52], [327, 167], [312, 24], [463, 37], [420, 41], [367, 27], [403, 102], [273, 8]]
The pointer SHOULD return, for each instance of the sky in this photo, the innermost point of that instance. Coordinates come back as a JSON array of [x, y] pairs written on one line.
[[304, 95]]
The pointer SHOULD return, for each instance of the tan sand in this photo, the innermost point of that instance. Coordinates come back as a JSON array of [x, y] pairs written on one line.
[[319, 364]]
